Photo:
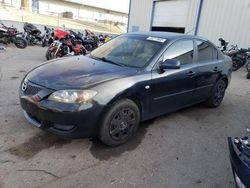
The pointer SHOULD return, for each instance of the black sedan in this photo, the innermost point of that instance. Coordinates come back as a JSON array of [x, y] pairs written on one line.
[[132, 78]]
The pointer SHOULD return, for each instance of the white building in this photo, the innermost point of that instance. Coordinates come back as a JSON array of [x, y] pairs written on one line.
[[229, 19], [80, 10]]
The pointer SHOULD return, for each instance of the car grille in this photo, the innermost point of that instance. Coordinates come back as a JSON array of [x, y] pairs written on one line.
[[32, 89]]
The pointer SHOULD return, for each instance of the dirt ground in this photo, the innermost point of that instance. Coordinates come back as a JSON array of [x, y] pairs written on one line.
[[187, 148]]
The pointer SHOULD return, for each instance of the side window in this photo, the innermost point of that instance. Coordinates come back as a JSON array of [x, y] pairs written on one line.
[[206, 52], [181, 50]]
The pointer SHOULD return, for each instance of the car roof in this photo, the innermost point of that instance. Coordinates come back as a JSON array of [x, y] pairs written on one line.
[[166, 35]]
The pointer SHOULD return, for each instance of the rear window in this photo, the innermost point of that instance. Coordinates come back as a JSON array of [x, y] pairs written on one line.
[[206, 52]]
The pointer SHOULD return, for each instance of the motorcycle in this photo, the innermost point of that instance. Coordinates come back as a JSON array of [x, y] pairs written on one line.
[[32, 34], [240, 160], [88, 42], [239, 55], [47, 38], [65, 44], [10, 35], [91, 41], [240, 58]]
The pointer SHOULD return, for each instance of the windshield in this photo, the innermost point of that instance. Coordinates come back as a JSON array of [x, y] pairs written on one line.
[[131, 51]]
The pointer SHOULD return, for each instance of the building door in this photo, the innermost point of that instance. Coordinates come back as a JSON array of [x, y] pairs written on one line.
[[170, 16]]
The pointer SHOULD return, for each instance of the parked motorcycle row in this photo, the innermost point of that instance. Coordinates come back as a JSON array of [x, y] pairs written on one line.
[[240, 56], [60, 42], [11, 35]]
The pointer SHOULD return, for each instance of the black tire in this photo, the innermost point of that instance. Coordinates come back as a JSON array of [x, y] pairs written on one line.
[[50, 54], [237, 62], [83, 51], [120, 123], [248, 75], [217, 95], [248, 66], [20, 42], [44, 43]]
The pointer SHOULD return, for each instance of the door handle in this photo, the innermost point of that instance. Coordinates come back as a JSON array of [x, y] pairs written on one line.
[[216, 69], [191, 73]]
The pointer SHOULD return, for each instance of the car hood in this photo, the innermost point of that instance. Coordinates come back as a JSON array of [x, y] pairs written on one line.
[[76, 72]]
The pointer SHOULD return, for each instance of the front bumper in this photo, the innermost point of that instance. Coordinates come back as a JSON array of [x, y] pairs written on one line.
[[240, 166], [67, 120]]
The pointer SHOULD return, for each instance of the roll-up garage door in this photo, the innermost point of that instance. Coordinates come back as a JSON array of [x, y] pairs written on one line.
[[170, 14]]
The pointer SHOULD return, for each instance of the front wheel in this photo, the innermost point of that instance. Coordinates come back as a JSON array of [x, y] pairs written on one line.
[[217, 95], [20, 42], [44, 43], [120, 123], [248, 66], [248, 75], [50, 54], [83, 51], [237, 62]]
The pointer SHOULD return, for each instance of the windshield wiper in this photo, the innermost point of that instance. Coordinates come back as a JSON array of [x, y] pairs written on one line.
[[110, 61], [106, 60]]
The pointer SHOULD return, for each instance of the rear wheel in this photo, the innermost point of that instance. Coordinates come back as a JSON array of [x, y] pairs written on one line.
[[20, 42], [217, 95], [120, 123]]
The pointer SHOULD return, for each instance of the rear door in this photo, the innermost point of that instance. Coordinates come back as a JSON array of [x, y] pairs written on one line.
[[209, 68], [174, 89]]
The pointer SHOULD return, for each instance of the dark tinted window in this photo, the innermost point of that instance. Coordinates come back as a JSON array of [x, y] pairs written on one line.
[[181, 50], [206, 52]]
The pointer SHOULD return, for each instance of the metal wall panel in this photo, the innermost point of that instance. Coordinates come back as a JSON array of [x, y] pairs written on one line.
[[140, 15], [229, 19]]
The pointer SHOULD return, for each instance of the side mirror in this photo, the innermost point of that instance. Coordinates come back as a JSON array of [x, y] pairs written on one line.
[[170, 64]]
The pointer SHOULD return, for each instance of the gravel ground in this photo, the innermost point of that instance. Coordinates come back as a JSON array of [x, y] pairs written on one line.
[[187, 148]]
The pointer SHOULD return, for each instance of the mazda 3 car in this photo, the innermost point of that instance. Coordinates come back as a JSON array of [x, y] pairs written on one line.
[[130, 79]]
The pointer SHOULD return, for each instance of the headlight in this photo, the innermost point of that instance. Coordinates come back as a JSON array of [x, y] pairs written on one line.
[[72, 96]]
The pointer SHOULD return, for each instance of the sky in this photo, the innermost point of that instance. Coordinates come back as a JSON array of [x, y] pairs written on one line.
[[117, 5]]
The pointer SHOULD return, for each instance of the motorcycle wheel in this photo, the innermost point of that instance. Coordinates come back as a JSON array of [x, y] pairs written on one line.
[[248, 75], [44, 43], [83, 51], [248, 67], [50, 54], [237, 62], [20, 42]]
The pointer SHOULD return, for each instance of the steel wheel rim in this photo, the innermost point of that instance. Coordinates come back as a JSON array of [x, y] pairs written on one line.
[[122, 124], [219, 94]]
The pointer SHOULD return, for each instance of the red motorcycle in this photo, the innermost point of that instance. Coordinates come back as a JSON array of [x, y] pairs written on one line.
[[65, 44]]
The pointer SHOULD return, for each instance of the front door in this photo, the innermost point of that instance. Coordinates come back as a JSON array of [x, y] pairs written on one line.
[[174, 89]]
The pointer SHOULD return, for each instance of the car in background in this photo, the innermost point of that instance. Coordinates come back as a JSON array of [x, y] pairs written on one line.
[[240, 160], [130, 79]]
